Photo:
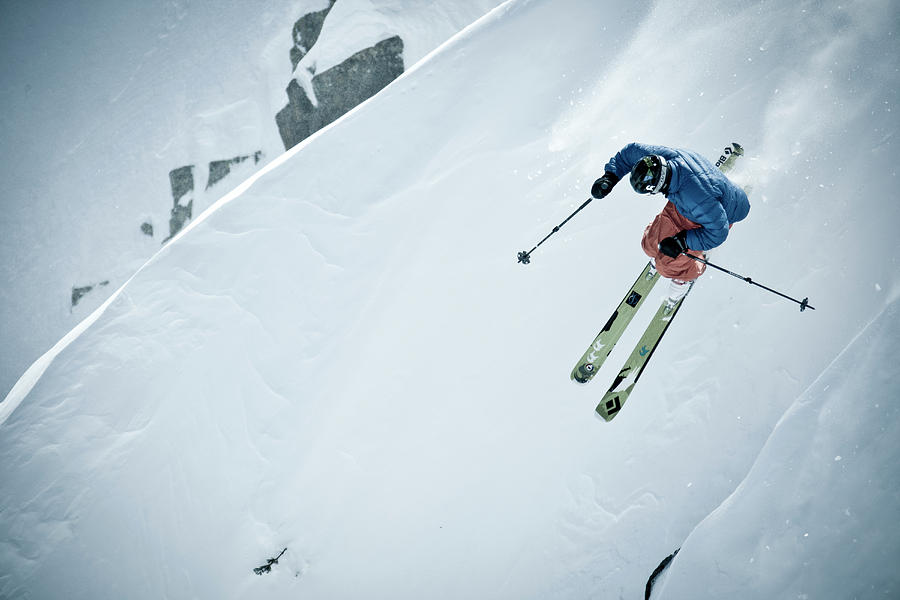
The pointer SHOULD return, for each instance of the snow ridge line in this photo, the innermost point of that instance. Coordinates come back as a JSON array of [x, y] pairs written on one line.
[[803, 399], [32, 375]]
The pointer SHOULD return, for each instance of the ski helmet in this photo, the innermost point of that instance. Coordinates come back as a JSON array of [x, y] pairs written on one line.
[[649, 174]]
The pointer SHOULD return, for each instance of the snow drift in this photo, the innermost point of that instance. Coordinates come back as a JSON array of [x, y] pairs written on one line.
[[343, 357], [812, 519], [123, 121]]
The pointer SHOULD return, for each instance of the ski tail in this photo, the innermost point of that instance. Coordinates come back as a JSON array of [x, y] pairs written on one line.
[[605, 341]]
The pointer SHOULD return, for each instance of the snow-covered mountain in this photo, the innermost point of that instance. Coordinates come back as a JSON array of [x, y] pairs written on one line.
[[342, 357], [121, 123]]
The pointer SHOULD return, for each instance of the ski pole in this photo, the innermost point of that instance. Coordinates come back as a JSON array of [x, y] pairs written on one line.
[[804, 304], [525, 257]]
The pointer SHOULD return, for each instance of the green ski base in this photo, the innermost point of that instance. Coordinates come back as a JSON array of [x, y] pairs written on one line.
[[603, 344], [625, 381]]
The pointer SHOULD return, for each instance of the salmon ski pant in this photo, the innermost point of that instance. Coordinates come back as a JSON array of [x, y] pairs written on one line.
[[666, 224]]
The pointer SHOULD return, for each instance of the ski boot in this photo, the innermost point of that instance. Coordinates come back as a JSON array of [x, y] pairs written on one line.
[[677, 290]]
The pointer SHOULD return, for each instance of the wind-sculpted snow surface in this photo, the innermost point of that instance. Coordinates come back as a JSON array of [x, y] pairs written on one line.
[[103, 99], [816, 517], [343, 358]]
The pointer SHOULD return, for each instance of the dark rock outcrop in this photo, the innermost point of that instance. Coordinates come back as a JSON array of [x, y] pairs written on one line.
[[219, 169], [339, 89], [648, 589], [306, 32], [182, 181], [80, 292]]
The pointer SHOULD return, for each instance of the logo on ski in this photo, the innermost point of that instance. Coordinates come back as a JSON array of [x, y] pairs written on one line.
[[726, 153], [596, 347], [585, 372], [633, 299], [613, 406], [734, 149], [644, 351]]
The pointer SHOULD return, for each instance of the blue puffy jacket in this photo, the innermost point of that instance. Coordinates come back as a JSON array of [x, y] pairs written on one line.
[[698, 189]]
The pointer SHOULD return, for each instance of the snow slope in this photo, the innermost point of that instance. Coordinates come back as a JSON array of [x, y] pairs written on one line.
[[343, 357], [813, 518], [101, 100]]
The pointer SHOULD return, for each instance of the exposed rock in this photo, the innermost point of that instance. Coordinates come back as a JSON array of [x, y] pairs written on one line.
[[218, 169], [298, 120], [80, 292], [182, 181], [648, 589], [147, 228], [358, 78], [306, 32], [339, 89]]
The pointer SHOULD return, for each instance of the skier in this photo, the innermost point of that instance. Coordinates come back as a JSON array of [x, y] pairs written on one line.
[[702, 205]]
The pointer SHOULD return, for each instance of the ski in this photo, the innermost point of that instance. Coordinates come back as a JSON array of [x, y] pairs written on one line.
[[729, 156], [628, 377], [603, 344]]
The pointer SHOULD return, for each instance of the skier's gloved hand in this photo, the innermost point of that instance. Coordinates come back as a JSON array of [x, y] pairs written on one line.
[[604, 185], [673, 246]]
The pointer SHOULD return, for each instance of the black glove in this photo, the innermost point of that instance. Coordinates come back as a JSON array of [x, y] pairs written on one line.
[[673, 246], [604, 185]]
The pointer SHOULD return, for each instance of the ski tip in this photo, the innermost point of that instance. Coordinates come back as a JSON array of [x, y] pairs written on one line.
[[603, 416], [610, 406]]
